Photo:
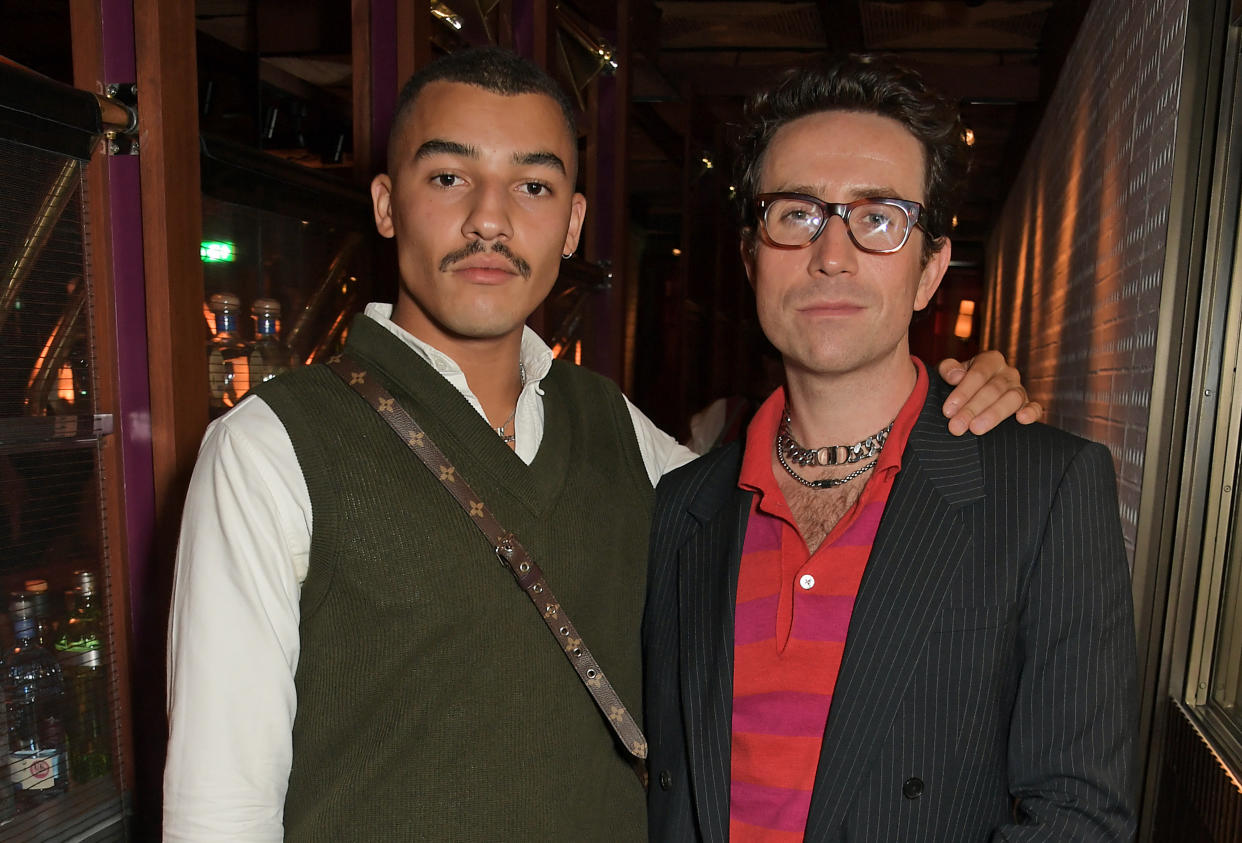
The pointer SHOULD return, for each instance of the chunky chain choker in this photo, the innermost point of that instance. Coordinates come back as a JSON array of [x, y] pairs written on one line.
[[788, 449]]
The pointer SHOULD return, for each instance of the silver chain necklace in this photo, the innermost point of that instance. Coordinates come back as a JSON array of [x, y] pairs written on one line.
[[868, 448], [511, 438]]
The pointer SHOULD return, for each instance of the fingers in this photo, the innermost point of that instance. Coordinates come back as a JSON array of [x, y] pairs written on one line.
[[988, 391], [952, 371]]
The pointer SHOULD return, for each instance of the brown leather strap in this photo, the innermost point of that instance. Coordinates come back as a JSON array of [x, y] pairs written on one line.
[[511, 553]]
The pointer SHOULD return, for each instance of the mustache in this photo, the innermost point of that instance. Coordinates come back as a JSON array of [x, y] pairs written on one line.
[[474, 247]]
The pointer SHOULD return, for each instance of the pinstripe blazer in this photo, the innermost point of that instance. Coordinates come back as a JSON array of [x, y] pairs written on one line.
[[988, 685]]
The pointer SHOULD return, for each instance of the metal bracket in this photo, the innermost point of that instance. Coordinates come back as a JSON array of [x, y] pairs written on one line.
[[119, 105], [102, 424]]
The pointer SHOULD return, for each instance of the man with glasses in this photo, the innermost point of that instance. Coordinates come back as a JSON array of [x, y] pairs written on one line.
[[859, 627]]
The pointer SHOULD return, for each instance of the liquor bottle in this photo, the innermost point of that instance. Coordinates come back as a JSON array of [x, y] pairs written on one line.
[[8, 805], [34, 694], [268, 357], [228, 375], [80, 650], [41, 602]]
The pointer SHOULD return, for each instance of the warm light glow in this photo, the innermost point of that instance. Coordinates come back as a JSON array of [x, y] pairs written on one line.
[[241, 379], [965, 320], [210, 316], [953, 222], [707, 162], [578, 353], [676, 253], [969, 136], [64, 386]]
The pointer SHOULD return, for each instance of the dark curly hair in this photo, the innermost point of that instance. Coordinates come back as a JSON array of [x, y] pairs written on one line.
[[868, 83], [493, 69]]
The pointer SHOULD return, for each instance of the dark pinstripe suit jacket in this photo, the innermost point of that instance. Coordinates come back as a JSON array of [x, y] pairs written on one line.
[[987, 690]]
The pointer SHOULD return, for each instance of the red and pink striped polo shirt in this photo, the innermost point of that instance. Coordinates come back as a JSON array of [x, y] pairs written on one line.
[[793, 613]]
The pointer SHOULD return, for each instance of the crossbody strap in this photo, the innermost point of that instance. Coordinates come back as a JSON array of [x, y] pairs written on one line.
[[509, 550]]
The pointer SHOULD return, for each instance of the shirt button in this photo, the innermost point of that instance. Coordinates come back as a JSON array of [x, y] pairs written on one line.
[[807, 582], [912, 788]]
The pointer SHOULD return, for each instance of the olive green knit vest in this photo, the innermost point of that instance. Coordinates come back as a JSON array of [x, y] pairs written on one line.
[[433, 703]]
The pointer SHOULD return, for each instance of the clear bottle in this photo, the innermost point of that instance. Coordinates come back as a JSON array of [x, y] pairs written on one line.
[[8, 805], [41, 601], [81, 655], [269, 357], [34, 695], [228, 375]]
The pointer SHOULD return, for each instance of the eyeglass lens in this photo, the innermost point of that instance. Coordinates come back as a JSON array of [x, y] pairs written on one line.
[[874, 226]]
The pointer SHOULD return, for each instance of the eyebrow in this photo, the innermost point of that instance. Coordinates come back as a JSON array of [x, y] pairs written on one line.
[[539, 159], [440, 146], [863, 192]]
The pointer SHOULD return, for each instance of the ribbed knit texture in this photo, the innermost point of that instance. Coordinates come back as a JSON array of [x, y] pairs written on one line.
[[433, 703]]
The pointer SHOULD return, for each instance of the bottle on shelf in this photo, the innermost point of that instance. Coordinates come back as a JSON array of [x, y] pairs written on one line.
[[41, 601], [34, 696], [228, 374], [81, 655], [268, 357], [8, 805]]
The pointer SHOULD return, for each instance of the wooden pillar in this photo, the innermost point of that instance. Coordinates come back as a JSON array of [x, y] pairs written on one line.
[[413, 32], [360, 60], [90, 70], [607, 188]]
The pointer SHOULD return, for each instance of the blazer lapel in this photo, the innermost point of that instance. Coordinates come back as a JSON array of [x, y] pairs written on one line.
[[922, 538], [709, 561]]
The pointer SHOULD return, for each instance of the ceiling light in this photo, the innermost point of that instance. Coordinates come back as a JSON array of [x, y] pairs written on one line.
[[445, 15]]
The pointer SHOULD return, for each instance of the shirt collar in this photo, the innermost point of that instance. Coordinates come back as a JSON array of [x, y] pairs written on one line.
[[535, 354]]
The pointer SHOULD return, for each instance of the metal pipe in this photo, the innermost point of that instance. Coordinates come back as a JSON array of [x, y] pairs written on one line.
[[298, 334], [41, 227], [45, 376]]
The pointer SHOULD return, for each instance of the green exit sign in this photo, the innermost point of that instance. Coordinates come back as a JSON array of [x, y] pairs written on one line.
[[216, 251]]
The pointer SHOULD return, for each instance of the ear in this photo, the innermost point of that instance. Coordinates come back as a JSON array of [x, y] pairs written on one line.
[[933, 274], [747, 248], [381, 203], [577, 213]]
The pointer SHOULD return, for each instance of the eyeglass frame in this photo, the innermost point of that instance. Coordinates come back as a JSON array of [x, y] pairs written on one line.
[[913, 211]]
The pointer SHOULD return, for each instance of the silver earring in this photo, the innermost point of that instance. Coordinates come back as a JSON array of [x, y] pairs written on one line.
[[567, 256]]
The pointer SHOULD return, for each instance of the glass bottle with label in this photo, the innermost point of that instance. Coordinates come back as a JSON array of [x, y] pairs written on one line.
[[228, 375], [80, 651], [34, 695], [268, 357]]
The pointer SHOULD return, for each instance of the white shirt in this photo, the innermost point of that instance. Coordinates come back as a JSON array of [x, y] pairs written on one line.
[[233, 635]]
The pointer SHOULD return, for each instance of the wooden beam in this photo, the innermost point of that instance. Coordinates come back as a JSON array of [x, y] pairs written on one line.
[[88, 74], [413, 33], [360, 59], [543, 36], [172, 227]]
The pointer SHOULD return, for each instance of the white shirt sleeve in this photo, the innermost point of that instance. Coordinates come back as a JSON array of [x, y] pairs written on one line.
[[233, 633], [661, 453]]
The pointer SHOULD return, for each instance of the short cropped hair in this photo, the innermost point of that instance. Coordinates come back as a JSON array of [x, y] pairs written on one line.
[[864, 83], [490, 68]]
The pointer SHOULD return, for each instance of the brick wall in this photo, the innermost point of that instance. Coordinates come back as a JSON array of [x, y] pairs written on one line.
[[1076, 259]]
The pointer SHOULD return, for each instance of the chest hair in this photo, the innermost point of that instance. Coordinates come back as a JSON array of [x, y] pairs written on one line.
[[817, 511]]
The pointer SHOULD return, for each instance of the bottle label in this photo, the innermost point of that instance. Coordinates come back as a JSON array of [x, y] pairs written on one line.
[[35, 770]]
